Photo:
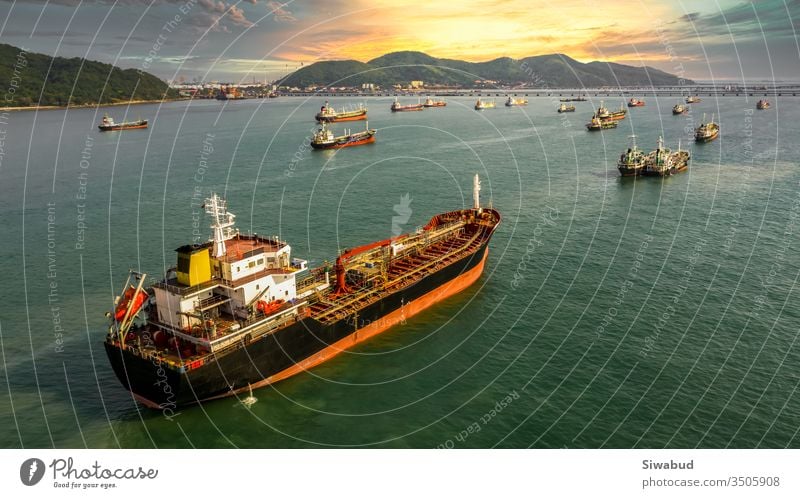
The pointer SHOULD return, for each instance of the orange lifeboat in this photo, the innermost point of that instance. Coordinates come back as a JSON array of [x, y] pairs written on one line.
[[269, 307], [138, 300]]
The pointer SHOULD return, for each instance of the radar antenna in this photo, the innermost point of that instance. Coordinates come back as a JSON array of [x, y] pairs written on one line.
[[222, 223]]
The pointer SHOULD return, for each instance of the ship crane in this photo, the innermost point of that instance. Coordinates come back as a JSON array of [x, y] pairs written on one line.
[[349, 254]]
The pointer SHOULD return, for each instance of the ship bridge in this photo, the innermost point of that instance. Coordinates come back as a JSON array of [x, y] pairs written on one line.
[[231, 280]]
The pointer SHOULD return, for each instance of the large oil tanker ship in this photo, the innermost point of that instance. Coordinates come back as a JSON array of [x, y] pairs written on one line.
[[238, 312]]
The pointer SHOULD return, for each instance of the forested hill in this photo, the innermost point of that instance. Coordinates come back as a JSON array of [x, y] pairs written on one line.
[[25, 81], [553, 70]]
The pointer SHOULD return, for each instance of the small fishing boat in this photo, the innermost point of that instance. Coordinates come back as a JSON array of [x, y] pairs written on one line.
[[108, 124], [707, 131], [330, 115], [512, 102], [325, 139], [693, 99], [679, 109], [763, 105], [635, 103], [632, 162], [566, 108], [484, 104], [429, 102], [664, 162], [398, 107], [597, 124]]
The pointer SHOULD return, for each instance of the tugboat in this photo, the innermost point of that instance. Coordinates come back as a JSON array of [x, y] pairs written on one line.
[[679, 109], [597, 124], [328, 114], [763, 105], [108, 124], [663, 162], [707, 131], [429, 102], [238, 312], [635, 103], [631, 162], [693, 99], [512, 102], [566, 108], [484, 104], [325, 139], [397, 107]]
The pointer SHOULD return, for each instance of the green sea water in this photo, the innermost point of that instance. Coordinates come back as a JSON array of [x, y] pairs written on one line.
[[612, 312]]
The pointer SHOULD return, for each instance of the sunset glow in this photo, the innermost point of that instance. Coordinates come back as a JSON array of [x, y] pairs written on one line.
[[252, 38]]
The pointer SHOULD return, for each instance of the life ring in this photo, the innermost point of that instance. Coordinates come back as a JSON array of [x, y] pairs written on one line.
[[247, 338]]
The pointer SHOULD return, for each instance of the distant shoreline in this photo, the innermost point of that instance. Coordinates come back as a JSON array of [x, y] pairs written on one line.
[[87, 106], [668, 91]]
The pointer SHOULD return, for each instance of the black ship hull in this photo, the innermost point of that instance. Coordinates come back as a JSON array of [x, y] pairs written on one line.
[[289, 350], [631, 171]]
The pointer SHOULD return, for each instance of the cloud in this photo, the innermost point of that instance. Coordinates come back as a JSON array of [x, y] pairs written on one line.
[[216, 13], [237, 17], [279, 12]]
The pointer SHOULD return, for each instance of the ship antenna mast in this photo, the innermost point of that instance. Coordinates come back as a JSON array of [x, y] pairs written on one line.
[[476, 192], [222, 223]]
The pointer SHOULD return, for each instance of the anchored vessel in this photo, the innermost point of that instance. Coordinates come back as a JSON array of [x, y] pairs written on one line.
[[484, 104], [329, 114], [693, 99], [325, 139], [512, 102], [635, 103], [763, 104], [606, 115], [429, 102], [631, 162], [238, 312], [707, 131], [397, 107], [664, 162], [108, 124], [679, 109], [597, 124], [566, 108]]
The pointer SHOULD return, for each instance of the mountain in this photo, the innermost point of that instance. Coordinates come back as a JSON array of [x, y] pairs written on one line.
[[67, 83], [554, 70]]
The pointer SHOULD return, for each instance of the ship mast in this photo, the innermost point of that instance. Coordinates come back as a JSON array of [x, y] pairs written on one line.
[[222, 223], [476, 192]]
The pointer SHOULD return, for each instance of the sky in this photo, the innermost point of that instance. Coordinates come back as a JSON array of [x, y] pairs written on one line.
[[725, 40]]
